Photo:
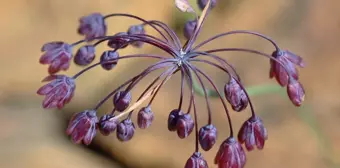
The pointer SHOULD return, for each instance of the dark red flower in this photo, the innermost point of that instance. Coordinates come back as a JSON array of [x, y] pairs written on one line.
[[184, 125], [92, 26], [125, 130], [203, 3], [107, 56], [196, 161], [82, 127], [173, 118], [235, 95], [85, 55], [121, 100], [230, 154], [58, 54], [295, 92], [136, 29], [107, 124], [59, 91], [145, 117], [207, 136], [253, 133], [119, 41], [189, 28], [290, 61]]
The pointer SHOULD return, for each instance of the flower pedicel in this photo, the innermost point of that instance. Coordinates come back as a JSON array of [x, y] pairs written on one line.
[[84, 125]]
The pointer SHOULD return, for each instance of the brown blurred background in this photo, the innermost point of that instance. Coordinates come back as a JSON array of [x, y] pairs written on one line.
[[33, 137]]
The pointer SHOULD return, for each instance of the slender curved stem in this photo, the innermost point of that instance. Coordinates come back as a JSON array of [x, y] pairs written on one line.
[[182, 90], [237, 32], [169, 31]]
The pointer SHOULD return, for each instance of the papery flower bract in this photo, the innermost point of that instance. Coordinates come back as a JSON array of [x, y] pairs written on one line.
[[85, 55], [82, 127], [173, 118], [121, 100], [109, 59], [59, 91], [207, 137], [107, 124], [145, 117], [295, 92], [92, 26], [235, 95], [253, 133], [185, 125], [58, 54], [230, 154], [196, 161], [125, 130]]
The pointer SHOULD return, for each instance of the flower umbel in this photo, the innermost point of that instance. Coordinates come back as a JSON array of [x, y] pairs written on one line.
[[179, 59]]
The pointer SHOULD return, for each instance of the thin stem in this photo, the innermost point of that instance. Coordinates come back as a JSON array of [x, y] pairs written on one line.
[[114, 60], [138, 18], [194, 104], [182, 90], [146, 71], [219, 94], [78, 42], [237, 32], [169, 31], [206, 96]]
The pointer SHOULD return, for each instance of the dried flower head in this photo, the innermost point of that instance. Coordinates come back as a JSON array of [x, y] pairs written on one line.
[[178, 59]]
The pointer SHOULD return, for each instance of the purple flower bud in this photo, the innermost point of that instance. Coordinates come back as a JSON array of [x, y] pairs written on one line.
[[184, 125], [173, 118], [196, 161], [136, 29], [189, 28], [253, 133], [108, 124], [109, 56], [118, 41], [58, 92], [235, 95], [295, 92], [82, 127], [92, 26], [85, 55], [203, 3], [207, 137], [230, 154], [145, 117], [125, 130], [121, 100], [58, 54], [289, 60]]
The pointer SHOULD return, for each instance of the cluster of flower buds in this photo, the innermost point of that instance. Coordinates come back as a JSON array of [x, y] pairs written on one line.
[[84, 125]]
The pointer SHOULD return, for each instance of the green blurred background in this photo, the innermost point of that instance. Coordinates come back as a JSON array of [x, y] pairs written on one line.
[[306, 137]]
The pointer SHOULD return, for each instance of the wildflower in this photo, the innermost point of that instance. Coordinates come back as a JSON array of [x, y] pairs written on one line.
[[180, 58], [82, 127], [58, 54], [58, 92]]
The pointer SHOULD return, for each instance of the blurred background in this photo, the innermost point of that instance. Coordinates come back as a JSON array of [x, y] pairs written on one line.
[[306, 137]]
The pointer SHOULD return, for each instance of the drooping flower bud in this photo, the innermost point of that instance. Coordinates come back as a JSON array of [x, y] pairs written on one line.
[[121, 100], [85, 55], [207, 137], [125, 130], [58, 92], [109, 59], [82, 127], [295, 92], [173, 118], [203, 3], [58, 54], [136, 29], [196, 161], [185, 125], [92, 26], [235, 95], [145, 117], [107, 124], [119, 41], [189, 28], [253, 133], [230, 154]]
